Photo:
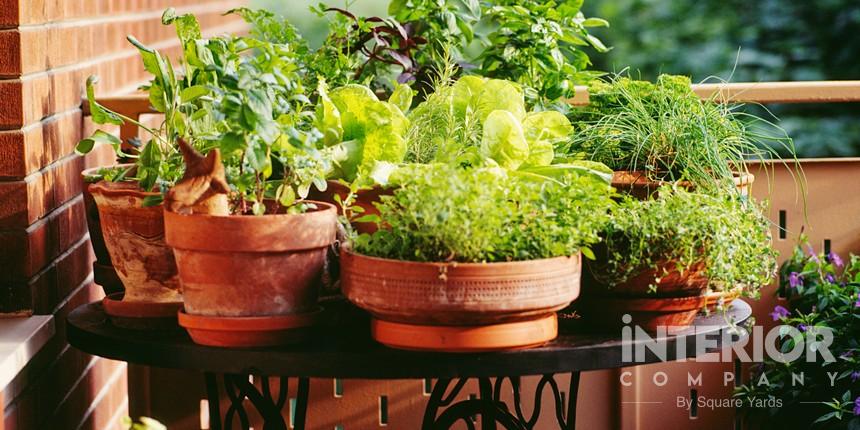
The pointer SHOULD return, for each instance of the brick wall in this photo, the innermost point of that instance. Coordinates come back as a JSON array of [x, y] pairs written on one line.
[[47, 49]]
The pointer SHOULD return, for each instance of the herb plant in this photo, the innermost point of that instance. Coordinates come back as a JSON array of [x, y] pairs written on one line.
[[667, 131], [824, 291], [446, 213], [539, 44], [731, 237]]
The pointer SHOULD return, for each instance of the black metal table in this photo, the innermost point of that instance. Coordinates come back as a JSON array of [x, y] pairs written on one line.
[[343, 349]]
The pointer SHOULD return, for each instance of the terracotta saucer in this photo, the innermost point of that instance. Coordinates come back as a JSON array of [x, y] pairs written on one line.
[[248, 332], [141, 315], [485, 338]]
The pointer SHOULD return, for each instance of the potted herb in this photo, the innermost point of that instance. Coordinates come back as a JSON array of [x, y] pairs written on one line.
[[824, 295], [660, 255], [654, 133], [128, 198], [250, 250], [475, 250]]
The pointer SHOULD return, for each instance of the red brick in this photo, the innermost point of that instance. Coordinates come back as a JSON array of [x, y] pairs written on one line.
[[24, 151], [10, 46], [9, 16]]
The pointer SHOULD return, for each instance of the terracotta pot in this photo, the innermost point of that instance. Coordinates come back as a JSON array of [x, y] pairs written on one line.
[[134, 236], [637, 183], [668, 280], [103, 272], [363, 198], [606, 313], [459, 293], [251, 266]]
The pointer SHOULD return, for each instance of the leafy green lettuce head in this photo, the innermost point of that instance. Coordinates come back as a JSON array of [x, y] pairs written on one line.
[[373, 130], [504, 141]]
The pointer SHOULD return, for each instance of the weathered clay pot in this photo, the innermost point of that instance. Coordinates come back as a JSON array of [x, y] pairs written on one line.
[[637, 183], [103, 272], [251, 266], [363, 198], [134, 236], [459, 293]]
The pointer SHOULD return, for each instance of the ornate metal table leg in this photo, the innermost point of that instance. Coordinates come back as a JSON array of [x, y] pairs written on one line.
[[493, 410], [238, 388]]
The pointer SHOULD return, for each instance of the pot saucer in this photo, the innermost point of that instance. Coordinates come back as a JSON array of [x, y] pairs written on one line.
[[464, 339], [141, 315], [249, 332]]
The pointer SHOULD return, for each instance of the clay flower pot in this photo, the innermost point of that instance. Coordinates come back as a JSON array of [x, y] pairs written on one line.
[[250, 266], [679, 296], [647, 313], [363, 198], [134, 237], [638, 185], [103, 272], [431, 298]]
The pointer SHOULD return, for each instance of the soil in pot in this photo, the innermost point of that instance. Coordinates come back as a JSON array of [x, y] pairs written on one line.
[[134, 237], [104, 273], [245, 266], [434, 297], [640, 186]]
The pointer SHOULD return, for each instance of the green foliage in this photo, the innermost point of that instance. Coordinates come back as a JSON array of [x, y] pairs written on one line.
[[475, 120], [729, 235], [364, 129], [665, 130], [539, 44], [742, 41], [824, 293], [143, 423], [446, 213]]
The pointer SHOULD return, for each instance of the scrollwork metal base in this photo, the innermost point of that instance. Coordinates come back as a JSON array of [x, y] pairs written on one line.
[[239, 388], [492, 410]]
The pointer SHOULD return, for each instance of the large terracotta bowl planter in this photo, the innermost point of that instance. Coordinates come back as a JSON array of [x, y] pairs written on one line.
[[244, 266], [365, 198], [638, 185], [103, 272], [431, 298], [134, 237]]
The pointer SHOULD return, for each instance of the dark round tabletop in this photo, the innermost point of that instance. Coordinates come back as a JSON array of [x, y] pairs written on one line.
[[343, 348]]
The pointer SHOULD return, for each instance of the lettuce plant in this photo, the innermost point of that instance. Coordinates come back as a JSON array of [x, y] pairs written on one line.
[[447, 213]]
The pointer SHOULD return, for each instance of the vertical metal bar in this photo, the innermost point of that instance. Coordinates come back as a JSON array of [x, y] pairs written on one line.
[[571, 403], [488, 416], [302, 403], [214, 401]]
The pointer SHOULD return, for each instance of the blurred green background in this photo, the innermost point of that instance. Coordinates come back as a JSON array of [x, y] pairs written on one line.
[[734, 40]]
